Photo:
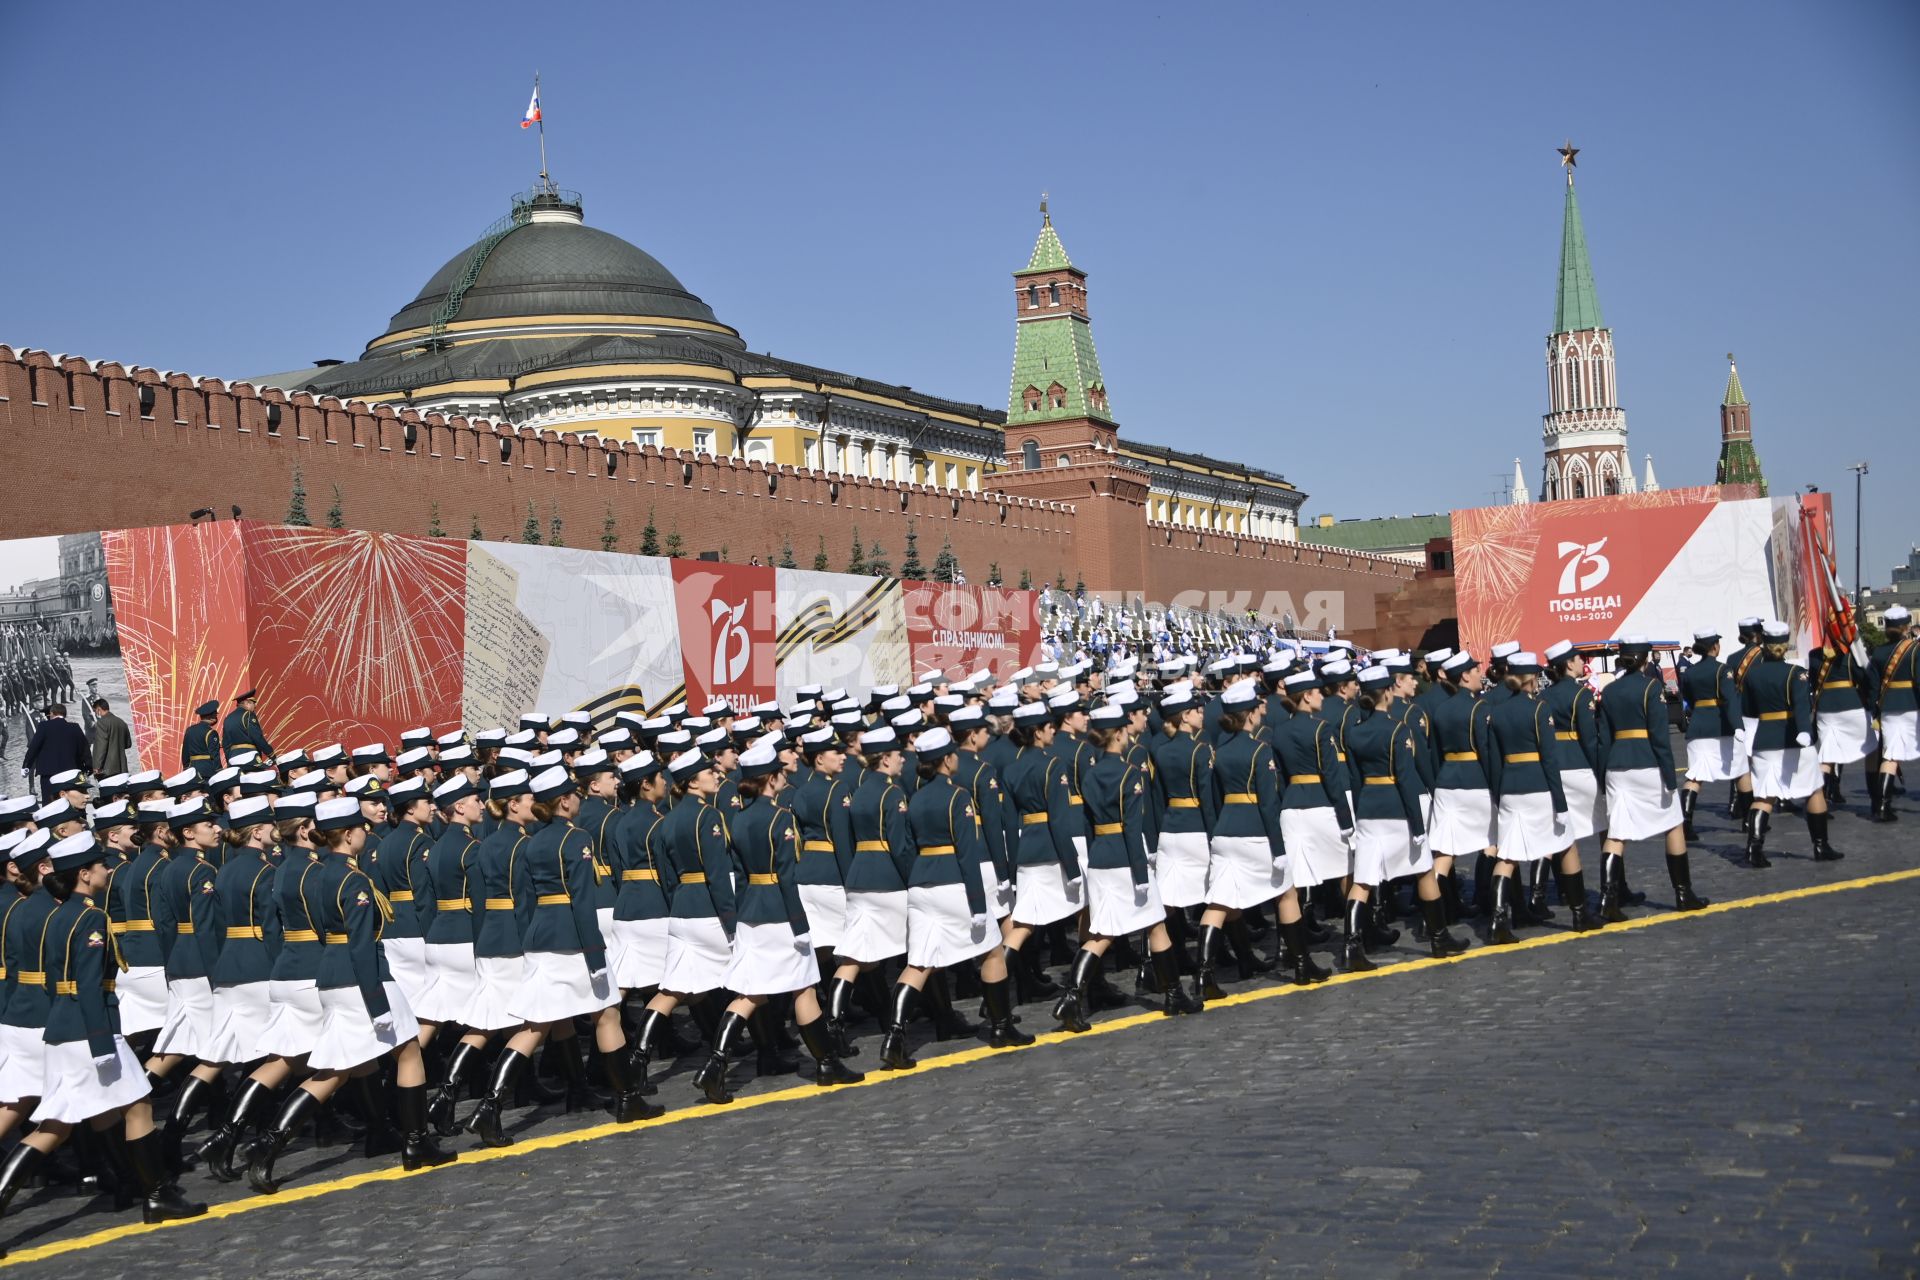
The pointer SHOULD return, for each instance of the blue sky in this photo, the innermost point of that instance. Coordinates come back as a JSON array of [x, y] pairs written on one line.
[[1321, 239]]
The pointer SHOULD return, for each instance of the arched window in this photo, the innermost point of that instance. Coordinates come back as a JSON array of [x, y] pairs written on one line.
[[1033, 295], [1030, 453], [1062, 460], [759, 451], [1031, 399], [1053, 295]]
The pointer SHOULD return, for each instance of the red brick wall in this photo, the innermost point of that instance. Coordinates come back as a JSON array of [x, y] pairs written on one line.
[[79, 455]]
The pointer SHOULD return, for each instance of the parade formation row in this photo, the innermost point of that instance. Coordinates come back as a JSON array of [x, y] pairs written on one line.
[[366, 938]]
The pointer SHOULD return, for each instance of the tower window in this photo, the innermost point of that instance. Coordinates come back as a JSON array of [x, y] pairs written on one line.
[[1030, 452], [1053, 295], [1033, 296], [1031, 398]]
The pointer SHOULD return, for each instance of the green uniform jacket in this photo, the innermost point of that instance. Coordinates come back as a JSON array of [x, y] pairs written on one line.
[[946, 841], [81, 967], [767, 843], [1633, 716]]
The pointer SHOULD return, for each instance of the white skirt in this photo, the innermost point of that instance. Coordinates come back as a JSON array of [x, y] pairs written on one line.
[[603, 916], [407, 961], [1846, 736], [1793, 774], [1181, 868], [23, 1063], [999, 892], [143, 999], [1900, 736], [557, 986], [641, 956], [1529, 828], [77, 1090], [826, 907], [451, 983], [767, 962], [295, 1024], [1117, 907], [1241, 872], [348, 1036], [1586, 814], [1383, 850], [1715, 760], [189, 1025], [1639, 806], [1040, 896], [240, 1012], [876, 926], [940, 926], [1462, 822], [698, 956], [1316, 852], [495, 991]]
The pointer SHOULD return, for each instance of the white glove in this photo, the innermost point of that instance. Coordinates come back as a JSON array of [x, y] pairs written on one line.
[[1805, 740], [1347, 835], [1074, 885], [980, 922], [1280, 862], [105, 1060], [383, 1025], [597, 976], [803, 943], [1140, 895]]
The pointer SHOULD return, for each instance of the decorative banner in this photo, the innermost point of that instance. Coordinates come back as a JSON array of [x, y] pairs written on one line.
[[727, 635], [180, 602], [839, 631], [353, 636], [1659, 565], [963, 629]]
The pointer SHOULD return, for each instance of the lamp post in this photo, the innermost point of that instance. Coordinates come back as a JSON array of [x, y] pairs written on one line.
[[1859, 470]]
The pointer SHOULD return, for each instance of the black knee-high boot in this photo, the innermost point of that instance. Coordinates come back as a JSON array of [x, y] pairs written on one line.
[[1180, 934], [21, 1164], [1573, 891], [1758, 820], [1354, 952], [627, 1105], [1684, 898], [893, 1046], [217, 1152], [447, 1094], [839, 1002], [1001, 1031], [274, 1141], [1440, 943], [1612, 876], [1482, 884], [1173, 995], [1689, 799], [193, 1093], [1502, 932], [1204, 986], [828, 1069], [769, 1060], [947, 1022], [369, 1095], [711, 1078], [1817, 830], [1252, 965], [1071, 1007], [418, 1150], [484, 1123], [1300, 955], [139, 1161]]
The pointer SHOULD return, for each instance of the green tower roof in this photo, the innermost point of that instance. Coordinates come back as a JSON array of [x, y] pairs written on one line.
[[1048, 253], [1576, 305], [1055, 349], [1736, 394]]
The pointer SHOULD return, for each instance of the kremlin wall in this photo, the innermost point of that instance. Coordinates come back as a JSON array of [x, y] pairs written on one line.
[[118, 446]]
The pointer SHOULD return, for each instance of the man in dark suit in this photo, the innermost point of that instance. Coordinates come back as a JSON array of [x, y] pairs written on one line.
[[58, 745], [111, 741]]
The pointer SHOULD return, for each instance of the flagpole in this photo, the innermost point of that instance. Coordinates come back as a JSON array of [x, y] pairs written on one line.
[[546, 183]]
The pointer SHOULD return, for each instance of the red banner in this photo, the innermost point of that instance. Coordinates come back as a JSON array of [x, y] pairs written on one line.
[[727, 631], [961, 629]]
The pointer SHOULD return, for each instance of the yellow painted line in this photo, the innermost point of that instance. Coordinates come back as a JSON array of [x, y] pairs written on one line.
[[798, 1093]]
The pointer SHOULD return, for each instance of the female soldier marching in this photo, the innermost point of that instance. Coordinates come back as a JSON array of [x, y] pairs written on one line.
[[772, 953], [1641, 778], [1786, 765], [1532, 804], [1121, 894]]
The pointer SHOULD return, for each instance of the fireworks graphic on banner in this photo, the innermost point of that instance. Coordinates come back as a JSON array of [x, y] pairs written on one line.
[[180, 603], [364, 632]]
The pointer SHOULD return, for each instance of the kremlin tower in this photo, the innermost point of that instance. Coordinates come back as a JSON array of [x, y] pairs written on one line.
[[1585, 429]]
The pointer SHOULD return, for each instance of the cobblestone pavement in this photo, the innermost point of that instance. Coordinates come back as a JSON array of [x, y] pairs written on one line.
[[1726, 1095]]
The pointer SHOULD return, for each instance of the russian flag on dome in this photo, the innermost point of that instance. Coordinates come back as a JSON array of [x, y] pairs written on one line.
[[533, 108]]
